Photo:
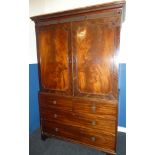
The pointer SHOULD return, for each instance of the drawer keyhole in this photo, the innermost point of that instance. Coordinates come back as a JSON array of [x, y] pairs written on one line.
[[56, 129]]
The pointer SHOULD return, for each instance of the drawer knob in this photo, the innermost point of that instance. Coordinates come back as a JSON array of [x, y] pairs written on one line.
[[54, 102], [56, 129], [94, 108], [93, 122], [93, 138], [55, 115]]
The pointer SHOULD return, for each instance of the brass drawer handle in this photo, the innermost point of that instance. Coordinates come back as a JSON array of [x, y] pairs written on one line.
[[56, 129], [93, 122], [55, 115], [54, 102], [94, 108], [93, 139]]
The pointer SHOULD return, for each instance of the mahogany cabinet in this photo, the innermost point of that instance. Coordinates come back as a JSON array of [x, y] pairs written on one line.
[[78, 72]]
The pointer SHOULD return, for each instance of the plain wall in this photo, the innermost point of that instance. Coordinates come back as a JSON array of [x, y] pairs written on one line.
[[34, 121]]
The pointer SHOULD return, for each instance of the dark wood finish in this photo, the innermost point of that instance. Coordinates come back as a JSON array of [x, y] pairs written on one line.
[[85, 136], [78, 73], [52, 102], [94, 47], [83, 123], [117, 5], [54, 49], [95, 107], [104, 124]]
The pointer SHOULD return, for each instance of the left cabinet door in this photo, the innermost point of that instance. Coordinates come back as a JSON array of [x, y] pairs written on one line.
[[54, 57]]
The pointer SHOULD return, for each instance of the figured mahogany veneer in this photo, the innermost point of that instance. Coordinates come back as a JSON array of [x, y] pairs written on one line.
[[95, 107], [78, 73], [89, 137], [49, 101], [94, 123], [68, 111]]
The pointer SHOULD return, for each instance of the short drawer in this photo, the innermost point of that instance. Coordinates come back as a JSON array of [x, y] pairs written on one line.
[[98, 139], [102, 108], [91, 122], [49, 101]]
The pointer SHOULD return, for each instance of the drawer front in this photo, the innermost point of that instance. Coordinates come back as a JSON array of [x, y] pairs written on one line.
[[91, 122], [100, 140], [95, 107], [49, 101]]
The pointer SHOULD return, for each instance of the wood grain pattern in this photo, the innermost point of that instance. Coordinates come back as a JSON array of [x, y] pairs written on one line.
[[54, 57], [94, 47], [78, 112], [49, 101], [69, 118], [95, 9], [96, 108], [102, 108], [101, 140]]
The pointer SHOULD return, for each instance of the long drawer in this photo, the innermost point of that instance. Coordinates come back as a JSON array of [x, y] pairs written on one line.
[[92, 122], [93, 138]]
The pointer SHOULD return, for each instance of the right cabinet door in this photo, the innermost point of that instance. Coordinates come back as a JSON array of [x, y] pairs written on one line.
[[94, 47]]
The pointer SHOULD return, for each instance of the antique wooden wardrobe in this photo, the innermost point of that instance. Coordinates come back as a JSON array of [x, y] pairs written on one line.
[[78, 97]]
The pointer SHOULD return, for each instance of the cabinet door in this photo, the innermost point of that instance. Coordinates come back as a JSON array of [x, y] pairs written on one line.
[[94, 46], [54, 57]]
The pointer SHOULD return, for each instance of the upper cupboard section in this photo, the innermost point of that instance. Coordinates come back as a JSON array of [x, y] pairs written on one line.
[[77, 50], [78, 58]]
